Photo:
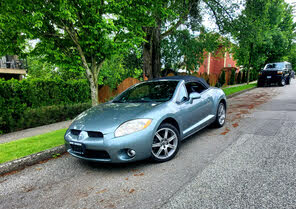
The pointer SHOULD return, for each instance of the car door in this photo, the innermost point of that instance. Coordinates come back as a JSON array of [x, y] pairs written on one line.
[[193, 113]]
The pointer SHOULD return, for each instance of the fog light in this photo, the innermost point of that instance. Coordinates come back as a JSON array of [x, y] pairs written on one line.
[[131, 153]]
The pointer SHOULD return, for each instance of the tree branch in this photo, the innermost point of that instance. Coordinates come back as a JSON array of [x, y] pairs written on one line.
[[179, 22]]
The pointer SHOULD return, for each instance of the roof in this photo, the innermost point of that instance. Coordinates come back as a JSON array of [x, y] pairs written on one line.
[[186, 78]]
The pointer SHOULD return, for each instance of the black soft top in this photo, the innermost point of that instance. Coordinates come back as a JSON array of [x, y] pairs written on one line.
[[186, 78]]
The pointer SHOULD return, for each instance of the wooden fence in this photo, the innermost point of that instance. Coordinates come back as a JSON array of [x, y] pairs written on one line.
[[106, 93]]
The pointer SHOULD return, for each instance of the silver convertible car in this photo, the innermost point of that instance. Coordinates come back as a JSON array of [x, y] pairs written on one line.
[[148, 120]]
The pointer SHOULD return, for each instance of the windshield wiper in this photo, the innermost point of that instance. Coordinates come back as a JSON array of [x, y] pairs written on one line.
[[140, 101], [118, 102]]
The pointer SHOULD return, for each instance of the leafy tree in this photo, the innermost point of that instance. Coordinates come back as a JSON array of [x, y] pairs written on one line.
[[182, 49], [38, 67], [77, 33], [292, 56], [264, 32], [168, 16], [114, 71]]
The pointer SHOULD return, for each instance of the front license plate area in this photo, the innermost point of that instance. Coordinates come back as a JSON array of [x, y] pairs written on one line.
[[268, 76], [77, 147]]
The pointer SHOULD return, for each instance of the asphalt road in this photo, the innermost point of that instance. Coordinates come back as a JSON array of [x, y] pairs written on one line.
[[249, 163]]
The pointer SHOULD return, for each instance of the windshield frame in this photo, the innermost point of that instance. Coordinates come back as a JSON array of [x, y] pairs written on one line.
[[118, 97]]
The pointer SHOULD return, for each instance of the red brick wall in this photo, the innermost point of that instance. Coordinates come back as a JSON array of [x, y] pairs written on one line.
[[217, 62]]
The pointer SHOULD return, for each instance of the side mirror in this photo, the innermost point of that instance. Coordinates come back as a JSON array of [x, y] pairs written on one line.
[[194, 95]]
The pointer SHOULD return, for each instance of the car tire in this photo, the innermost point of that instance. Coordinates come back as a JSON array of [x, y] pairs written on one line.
[[282, 82], [288, 80], [220, 115], [165, 144]]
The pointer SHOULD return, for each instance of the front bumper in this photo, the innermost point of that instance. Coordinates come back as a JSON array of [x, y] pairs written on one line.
[[270, 79], [111, 149]]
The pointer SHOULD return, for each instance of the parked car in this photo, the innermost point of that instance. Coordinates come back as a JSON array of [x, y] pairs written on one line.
[[279, 73], [150, 119]]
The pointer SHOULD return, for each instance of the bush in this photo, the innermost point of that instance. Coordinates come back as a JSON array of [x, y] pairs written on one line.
[[33, 117], [239, 78], [232, 77], [245, 76], [221, 80], [17, 96]]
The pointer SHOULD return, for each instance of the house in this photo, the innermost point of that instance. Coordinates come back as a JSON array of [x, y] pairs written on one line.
[[12, 67], [214, 62]]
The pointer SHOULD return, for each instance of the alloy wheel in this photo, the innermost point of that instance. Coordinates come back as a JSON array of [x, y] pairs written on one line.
[[221, 114], [164, 144], [283, 82]]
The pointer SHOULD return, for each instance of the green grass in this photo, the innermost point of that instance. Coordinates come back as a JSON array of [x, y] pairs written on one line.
[[232, 90], [27, 146]]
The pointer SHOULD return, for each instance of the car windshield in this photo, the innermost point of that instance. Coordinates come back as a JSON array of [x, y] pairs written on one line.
[[274, 66], [155, 91]]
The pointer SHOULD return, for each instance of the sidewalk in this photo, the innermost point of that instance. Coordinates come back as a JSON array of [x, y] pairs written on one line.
[[230, 86], [34, 131]]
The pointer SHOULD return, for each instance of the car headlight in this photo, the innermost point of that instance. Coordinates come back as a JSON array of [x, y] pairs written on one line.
[[279, 72], [132, 126]]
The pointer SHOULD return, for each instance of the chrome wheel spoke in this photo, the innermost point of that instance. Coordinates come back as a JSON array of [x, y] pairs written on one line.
[[171, 146], [166, 133], [171, 138], [159, 151], [158, 136], [156, 145], [166, 153]]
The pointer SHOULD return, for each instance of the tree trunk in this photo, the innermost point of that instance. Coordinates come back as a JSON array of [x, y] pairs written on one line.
[[250, 61], [94, 91], [147, 54], [156, 66], [151, 52], [92, 77]]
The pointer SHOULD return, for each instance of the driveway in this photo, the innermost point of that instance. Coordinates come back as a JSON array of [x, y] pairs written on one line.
[[246, 163]]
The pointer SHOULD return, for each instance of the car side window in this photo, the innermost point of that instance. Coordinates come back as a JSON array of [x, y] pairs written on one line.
[[183, 95], [195, 87]]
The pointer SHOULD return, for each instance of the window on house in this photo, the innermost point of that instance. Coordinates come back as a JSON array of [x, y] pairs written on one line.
[[229, 65], [230, 55]]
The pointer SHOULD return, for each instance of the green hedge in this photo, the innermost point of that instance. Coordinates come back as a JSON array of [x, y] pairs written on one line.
[[18, 98]]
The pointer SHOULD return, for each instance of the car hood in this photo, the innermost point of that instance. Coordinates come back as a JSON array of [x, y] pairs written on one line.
[[108, 116]]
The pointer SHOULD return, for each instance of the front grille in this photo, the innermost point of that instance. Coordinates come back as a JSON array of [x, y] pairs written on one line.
[[75, 132], [95, 134], [97, 154], [77, 149]]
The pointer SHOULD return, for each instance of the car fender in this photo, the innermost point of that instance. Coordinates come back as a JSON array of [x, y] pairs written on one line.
[[218, 97]]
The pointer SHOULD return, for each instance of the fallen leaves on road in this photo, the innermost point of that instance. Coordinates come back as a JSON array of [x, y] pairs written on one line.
[[225, 132], [235, 125], [102, 191], [131, 191], [139, 174]]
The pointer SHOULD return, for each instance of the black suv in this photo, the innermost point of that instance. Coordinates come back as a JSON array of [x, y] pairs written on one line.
[[279, 72]]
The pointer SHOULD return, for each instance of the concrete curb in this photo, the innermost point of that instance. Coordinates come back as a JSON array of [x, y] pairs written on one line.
[[240, 92], [21, 163]]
